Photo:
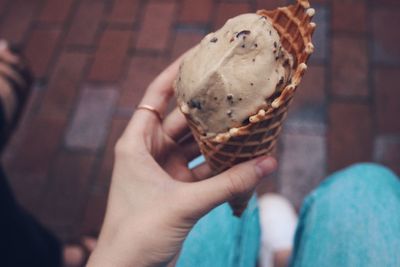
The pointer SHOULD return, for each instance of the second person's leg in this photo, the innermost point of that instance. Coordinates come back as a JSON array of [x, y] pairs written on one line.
[[352, 219]]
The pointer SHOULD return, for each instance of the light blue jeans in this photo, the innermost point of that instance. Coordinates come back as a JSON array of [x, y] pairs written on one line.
[[351, 219]]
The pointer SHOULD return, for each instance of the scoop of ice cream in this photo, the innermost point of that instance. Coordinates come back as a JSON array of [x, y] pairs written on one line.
[[232, 73]]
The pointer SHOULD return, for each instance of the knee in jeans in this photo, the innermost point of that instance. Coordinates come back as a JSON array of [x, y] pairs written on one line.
[[362, 179]]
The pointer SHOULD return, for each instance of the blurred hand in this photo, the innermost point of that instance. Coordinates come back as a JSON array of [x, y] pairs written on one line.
[[154, 198]]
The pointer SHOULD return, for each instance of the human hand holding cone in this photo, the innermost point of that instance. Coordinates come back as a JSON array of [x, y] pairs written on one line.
[[257, 134]]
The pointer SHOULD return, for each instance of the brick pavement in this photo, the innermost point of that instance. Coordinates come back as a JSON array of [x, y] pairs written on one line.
[[94, 58]]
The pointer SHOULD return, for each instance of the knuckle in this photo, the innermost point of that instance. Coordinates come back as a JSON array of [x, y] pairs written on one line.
[[123, 148]]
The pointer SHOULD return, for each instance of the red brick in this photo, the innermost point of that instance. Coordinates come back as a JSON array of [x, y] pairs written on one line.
[[142, 70], [124, 11], [3, 4], [91, 118], [311, 91], [156, 26], [85, 23], [270, 4], [194, 11], [226, 11], [385, 2], [28, 162], [386, 39], [349, 15], [387, 100], [16, 22], [40, 49], [94, 213], [35, 152], [62, 203], [55, 11], [349, 67], [117, 128], [110, 55], [184, 41], [350, 135], [63, 86], [387, 151]]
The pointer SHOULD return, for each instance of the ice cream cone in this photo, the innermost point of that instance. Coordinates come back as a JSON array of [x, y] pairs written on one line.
[[259, 136]]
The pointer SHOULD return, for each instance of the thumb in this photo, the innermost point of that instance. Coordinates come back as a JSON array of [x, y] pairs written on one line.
[[235, 182]]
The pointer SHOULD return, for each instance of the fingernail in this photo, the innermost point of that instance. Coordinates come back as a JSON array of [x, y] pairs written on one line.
[[265, 165]]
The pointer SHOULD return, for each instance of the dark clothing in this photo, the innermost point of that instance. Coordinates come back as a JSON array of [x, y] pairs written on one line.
[[24, 242]]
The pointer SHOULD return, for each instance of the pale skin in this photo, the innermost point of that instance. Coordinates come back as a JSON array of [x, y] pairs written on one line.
[[154, 198]]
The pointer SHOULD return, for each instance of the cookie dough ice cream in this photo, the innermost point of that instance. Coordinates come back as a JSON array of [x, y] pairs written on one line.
[[232, 74]]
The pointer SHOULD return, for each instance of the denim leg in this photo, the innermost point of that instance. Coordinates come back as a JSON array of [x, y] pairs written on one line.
[[221, 240], [351, 219]]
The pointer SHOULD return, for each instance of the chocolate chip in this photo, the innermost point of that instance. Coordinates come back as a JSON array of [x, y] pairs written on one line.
[[280, 83], [275, 45], [270, 33], [246, 121], [256, 45], [254, 60], [243, 46], [286, 62], [251, 84], [214, 40], [229, 97], [229, 113], [231, 40], [244, 32], [215, 98], [194, 104], [240, 99]]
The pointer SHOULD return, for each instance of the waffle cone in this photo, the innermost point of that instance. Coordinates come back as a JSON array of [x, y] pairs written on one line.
[[259, 137]]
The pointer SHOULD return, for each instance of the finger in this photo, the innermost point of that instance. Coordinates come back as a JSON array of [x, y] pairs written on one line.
[[6, 54], [191, 150], [228, 185], [7, 71], [157, 96], [161, 90], [175, 125], [177, 168], [201, 172]]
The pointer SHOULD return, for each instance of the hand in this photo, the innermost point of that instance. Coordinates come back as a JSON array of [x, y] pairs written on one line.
[[154, 198]]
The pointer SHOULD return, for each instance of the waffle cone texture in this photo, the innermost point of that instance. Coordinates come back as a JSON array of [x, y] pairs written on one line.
[[259, 136]]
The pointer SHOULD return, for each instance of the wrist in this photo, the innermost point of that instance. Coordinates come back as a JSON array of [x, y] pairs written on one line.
[[117, 255], [123, 244]]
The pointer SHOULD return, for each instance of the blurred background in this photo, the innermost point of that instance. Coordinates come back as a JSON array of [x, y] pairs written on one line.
[[93, 59]]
